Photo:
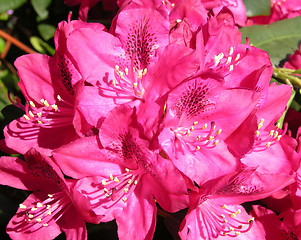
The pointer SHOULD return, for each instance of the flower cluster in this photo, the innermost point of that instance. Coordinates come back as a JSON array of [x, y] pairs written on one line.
[[165, 110]]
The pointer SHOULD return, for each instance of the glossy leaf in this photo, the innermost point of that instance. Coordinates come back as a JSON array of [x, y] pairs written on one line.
[[6, 5], [258, 7], [46, 31], [279, 39]]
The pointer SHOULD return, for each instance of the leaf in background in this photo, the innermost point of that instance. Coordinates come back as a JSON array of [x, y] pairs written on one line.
[[46, 31], [281, 119], [6, 5], [40, 6], [40, 46], [258, 7], [2, 44], [278, 39]]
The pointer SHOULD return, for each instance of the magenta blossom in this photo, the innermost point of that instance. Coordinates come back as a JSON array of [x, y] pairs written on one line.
[[215, 211], [49, 209], [122, 176], [49, 86]]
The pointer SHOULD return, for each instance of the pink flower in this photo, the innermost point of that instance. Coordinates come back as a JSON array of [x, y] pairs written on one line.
[[123, 177], [215, 211], [49, 86], [48, 210]]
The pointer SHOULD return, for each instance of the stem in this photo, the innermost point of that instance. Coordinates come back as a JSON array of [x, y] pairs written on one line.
[[16, 42], [283, 74]]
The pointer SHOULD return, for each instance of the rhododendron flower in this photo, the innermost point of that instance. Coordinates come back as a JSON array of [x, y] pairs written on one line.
[[49, 209], [122, 175], [214, 209], [48, 84], [200, 114]]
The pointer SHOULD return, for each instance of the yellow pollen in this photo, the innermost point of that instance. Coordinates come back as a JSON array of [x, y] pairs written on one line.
[[39, 114], [279, 3], [124, 199], [111, 176], [26, 117], [49, 213], [39, 205], [231, 68], [195, 123], [135, 182], [237, 233], [238, 211], [199, 138], [54, 107], [268, 144], [233, 215], [231, 51], [127, 170], [126, 70], [224, 206], [114, 82], [59, 97], [117, 68], [105, 190], [178, 20], [218, 58], [129, 181], [50, 195], [126, 190], [134, 69], [198, 148], [172, 4], [231, 228], [30, 215], [225, 220], [276, 134], [260, 124], [38, 219], [140, 74], [107, 195], [205, 126], [191, 128], [237, 57], [116, 180], [22, 206], [42, 101], [211, 138], [278, 138], [144, 71], [33, 209], [103, 182], [27, 220], [271, 133], [229, 59], [215, 143], [48, 206], [32, 104], [45, 225], [223, 216], [278, 125], [188, 133], [218, 132], [251, 220], [135, 85], [40, 122], [257, 133], [46, 103], [120, 74]]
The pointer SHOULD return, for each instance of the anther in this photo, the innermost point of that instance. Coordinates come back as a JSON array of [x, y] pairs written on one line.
[[39, 114], [126, 70], [59, 97], [39, 205], [105, 190], [32, 104], [45, 225], [38, 219], [215, 143], [26, 117], [50, 195], [231, 68], [237, 57], [30, 216], [48, 206], [198, 148], [218, 132], [54, 107], [205, 126], [124, 199], [127, 170], [116, 180], [22, 206], [251, 220], [231, 51], [195, 123], [229, 59], [144, 71], [103, 182], [111, 176], [135, 183], [224, 206], [268, 144], [40, 122], [49, 213], [125, 190], [46, 103]]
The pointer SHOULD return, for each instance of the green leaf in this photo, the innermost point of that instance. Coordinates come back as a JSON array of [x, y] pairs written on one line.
[[46, 31], [258, 7], [6, 5], [40, 6], [40, 46], [281, 119], [278, 39], [2, 44], [298, 71]]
